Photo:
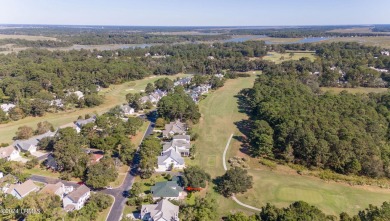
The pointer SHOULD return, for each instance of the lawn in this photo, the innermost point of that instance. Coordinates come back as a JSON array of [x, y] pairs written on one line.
[[332, 198], [362, 90], [279, 58], [137, 139], [102, 216], [219, 114], [42, 172], [114, 95]]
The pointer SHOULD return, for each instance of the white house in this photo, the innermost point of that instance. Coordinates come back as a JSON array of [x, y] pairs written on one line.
[[170, 160], [127, 110], [9, 153], [180, 143], [22, 190], [162, 211], [58, 189], [57, 103], [76, 199], [7, 107], [387, 53]]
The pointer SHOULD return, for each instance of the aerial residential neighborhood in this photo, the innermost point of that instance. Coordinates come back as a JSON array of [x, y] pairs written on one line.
[[195, 110]]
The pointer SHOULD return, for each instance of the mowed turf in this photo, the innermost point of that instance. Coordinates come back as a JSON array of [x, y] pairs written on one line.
[[361, 90], [279, 58], [332, 198], [114, 95], [219, 114]]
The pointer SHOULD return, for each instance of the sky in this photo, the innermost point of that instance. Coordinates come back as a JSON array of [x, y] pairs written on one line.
[[195, 12]]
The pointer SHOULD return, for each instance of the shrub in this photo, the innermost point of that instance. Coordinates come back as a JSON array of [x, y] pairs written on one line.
[[268, 163]]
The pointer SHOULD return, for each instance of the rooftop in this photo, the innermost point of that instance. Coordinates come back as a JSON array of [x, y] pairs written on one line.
[[78, 193]]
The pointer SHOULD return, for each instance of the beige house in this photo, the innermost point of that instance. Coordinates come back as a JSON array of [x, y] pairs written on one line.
[[22, 190], [9, 153], [58, 189]]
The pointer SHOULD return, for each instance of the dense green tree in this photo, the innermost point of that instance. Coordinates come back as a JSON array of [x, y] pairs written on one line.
[[178, 106], [101, 174], [134, 101], [164, 84], [261, 135], [150, 149], [235, 180], [149, 88], [203, 209], [295, 123], [92, 100], [195, 177]]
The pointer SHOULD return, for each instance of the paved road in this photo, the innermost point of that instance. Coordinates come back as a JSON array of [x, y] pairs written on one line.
[[118, 193], [43, 179]]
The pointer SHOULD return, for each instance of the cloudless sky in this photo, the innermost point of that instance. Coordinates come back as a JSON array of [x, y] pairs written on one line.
[[195, 12]]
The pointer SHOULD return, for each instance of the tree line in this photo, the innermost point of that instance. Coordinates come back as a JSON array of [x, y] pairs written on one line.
[[303, 211], [290, 120]]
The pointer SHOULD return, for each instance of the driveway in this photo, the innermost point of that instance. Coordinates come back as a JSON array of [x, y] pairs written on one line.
[[38, 154], [21, 159]]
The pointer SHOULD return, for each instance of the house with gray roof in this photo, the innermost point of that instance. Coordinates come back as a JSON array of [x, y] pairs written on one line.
[[179, 143], [183, 81], [162, 211], [168, 190], [126, 109], [81, 122], [170, 160], [76, 199], [31, 144], [173, 128], [22, 190]]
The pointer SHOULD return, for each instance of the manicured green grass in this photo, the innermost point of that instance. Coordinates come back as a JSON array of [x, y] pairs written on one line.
[[279, 58], [362, 90], [42, 172], [219, 114], [332, 198], [137, 139], [114, 95]]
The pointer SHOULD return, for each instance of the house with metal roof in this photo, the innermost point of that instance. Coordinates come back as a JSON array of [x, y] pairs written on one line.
[[161, 211], [168, 190], [76, 199], [58, 189], [82, 122], [21, 190], [31, 144], [170, 160], [180, 144], [174, 128]]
